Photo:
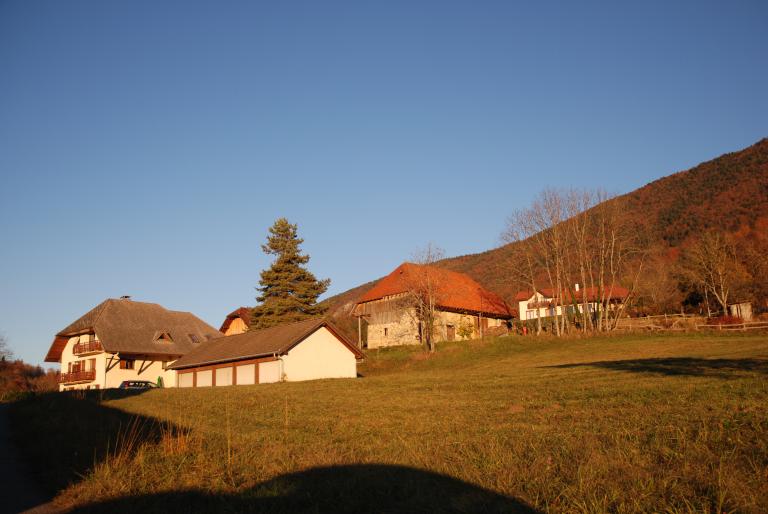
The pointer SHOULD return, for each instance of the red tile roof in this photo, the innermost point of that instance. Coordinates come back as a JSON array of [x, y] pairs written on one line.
[[454, 291], [244, 313], [592, 294]]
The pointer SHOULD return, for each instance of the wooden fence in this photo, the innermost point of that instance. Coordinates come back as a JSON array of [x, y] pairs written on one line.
[[755, 325], [682, 322]]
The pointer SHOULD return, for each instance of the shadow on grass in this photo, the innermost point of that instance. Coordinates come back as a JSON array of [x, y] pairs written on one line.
[[63, 436], [337, 489], [682, 366]]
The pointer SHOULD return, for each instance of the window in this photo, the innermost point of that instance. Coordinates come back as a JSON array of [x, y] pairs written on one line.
[[163, 337], [194, 338], [127, 363], [386, 330]]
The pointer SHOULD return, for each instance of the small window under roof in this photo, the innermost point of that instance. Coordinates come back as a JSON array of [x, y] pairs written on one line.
[[194, 338], [163, 337]]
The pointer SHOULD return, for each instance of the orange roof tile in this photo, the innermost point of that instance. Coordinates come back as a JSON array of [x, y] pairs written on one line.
[[454, 291]]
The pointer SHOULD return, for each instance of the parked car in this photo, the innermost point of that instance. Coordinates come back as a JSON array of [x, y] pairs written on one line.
[[137, 384]]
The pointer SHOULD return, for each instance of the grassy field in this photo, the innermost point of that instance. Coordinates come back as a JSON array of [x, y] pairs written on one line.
[[674, 423]]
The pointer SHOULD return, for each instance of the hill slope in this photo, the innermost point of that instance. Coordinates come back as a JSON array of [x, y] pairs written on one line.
[[623, 424], [728, 192]]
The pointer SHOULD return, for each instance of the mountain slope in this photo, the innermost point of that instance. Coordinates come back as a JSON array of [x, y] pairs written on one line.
[[728, 193]]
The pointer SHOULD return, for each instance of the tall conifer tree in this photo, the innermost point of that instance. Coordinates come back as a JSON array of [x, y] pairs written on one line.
[[288, 291]]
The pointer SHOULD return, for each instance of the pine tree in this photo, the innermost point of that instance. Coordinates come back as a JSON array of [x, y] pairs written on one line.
[[288, 291]]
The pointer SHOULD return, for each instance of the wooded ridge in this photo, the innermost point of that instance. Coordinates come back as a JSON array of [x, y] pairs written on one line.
[[729, 194]]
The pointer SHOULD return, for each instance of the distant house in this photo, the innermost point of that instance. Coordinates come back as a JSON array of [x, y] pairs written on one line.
[[304, 350], [741, 310], [544, 303], [121, 339], [236, 322], [465, 309]]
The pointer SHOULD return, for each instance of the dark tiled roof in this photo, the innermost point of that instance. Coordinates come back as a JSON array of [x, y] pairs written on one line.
[[129, 327], [453, 290], [275, 340], [244, 313]]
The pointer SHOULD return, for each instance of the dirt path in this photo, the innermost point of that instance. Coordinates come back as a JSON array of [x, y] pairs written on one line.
[[18, 491]]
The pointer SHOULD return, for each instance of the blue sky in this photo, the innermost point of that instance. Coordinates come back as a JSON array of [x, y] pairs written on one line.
[[146, 147]]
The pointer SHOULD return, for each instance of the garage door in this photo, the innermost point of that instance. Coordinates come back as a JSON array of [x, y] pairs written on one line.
[[185, 379], [224, 376], [269, 372], [204, 378], [246, 374]]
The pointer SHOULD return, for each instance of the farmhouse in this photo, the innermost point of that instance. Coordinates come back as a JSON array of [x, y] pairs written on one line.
[[121, 339], [236, 322], [544, 303], [465, 310], [303, 350]]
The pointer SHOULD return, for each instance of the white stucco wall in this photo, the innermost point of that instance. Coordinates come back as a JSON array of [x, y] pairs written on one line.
[[270, 372], [108, 372], [143, 370], [321, 355]]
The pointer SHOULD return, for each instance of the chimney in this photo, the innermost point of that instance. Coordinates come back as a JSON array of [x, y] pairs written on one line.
[[577, 288]]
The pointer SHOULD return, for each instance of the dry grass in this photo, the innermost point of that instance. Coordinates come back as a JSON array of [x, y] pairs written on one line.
[[626, 424]]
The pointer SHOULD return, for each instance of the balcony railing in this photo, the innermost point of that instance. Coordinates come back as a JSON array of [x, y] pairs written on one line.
[[77, 376], [87, 347]]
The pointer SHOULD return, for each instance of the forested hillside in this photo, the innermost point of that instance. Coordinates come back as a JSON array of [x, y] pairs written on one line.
[[729, 193], [724, 193]]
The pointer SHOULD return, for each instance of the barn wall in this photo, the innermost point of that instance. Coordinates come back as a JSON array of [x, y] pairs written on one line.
[[395, 328]]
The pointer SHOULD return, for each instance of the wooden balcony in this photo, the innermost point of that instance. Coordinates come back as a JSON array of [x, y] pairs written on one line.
[[86, 348], [77, 376]]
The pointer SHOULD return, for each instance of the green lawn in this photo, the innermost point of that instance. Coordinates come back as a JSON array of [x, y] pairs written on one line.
[[625, 424]]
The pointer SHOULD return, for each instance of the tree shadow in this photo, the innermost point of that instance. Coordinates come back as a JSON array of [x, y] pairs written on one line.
[[63, 436], [336, 489], [682, 366]]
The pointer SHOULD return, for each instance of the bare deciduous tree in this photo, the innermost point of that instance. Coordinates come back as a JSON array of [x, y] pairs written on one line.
[[712, 263], [524, 262], [577, 237], [424, 291], [5, 351]]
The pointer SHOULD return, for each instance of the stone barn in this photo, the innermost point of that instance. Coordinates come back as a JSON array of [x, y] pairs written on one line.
[[465, 310]]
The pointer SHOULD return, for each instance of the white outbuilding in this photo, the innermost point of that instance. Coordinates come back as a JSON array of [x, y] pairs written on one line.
[[304, 350]]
